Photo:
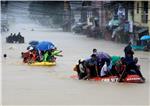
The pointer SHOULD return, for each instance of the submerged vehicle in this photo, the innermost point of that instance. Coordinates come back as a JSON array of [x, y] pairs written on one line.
[[145, 44], [138, 47]]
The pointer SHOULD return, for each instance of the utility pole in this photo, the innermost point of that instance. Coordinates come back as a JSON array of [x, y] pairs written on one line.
[[66, 18]]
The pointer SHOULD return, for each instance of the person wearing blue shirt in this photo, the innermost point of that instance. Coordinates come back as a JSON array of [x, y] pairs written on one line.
[[91, 67]]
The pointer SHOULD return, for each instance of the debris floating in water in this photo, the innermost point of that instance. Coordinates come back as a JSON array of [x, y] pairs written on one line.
[[5, 55]]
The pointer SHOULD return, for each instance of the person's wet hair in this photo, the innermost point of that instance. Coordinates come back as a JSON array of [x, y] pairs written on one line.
[[122, 59], [81, 61], [93, 55], [135, 59], [94, 50]]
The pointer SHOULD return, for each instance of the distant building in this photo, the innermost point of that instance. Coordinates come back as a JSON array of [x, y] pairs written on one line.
[[75, 12], [141, 15], [133, 16]]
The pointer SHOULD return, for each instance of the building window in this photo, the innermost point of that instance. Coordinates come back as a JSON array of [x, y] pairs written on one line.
[[144, 18], [137, 7], [145, 6], [144, 15]]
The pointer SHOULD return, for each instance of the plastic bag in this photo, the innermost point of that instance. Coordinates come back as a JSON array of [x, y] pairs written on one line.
[[103, 70]]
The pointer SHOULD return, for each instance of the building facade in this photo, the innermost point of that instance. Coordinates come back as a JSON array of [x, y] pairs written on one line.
[[142, 14]]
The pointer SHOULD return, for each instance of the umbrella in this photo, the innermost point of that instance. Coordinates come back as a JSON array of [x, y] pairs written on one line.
[[33, 43], [101, 55], [45, 45], [145, 37]]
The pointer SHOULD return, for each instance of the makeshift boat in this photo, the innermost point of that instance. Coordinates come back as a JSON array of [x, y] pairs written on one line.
[[43, 64], [128, 79]]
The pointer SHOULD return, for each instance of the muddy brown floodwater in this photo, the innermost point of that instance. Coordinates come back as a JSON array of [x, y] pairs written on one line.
[[28, 85]]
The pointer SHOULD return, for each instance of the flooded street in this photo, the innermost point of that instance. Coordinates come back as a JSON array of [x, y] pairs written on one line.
[[37, 85], [23, 84]]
